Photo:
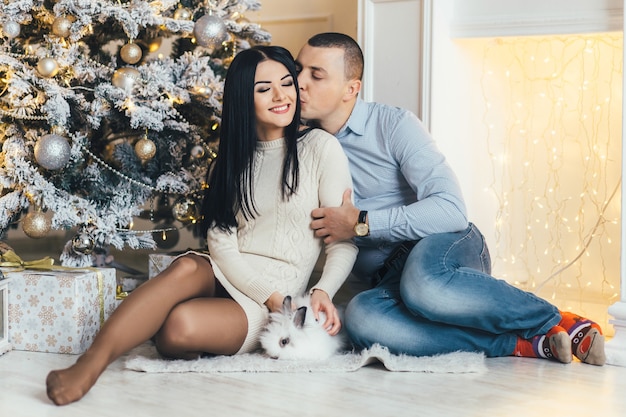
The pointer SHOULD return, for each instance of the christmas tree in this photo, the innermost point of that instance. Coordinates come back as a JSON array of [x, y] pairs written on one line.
[[109, 111]]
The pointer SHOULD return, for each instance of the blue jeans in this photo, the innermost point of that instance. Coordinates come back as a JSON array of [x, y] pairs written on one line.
[[441, 298]]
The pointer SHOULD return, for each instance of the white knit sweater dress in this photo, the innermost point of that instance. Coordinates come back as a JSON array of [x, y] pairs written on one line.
[[277, 250]]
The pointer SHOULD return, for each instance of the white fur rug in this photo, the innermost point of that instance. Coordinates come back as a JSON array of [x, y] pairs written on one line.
[[146, 359]]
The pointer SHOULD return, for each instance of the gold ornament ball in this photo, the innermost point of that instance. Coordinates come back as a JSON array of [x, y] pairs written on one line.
[[125, 77], [210, 31], [36, 225], [52, 151], [145, 149], [131, 53], [11, 29], [197, 152], [83, 244], [185, 209], [61, 26], [47, 67], [182, 14]]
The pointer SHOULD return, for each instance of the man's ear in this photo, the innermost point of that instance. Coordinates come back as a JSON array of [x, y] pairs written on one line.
[[354, 86]]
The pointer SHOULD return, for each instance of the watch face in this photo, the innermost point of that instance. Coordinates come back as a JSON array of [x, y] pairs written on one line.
[[361, 229]]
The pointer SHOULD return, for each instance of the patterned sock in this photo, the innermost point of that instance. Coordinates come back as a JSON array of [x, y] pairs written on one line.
[[586, 336], [554, 345]]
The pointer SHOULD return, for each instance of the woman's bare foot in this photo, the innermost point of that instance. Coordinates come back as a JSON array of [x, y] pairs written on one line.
[[65, 386]]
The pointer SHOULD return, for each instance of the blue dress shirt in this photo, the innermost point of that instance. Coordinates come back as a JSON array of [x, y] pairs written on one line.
[[401, 178]]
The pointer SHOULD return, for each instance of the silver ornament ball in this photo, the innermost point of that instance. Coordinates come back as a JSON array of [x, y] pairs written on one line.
[[83, 243], [47, 67], [210, 31], [61, 26], [52, 151], [11, 29], [131, 53], [125, 77]]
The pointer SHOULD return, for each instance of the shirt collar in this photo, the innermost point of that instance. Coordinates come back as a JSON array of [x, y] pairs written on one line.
[[356, 121]]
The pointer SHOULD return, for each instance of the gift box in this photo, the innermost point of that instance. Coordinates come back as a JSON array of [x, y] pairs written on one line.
[[5, 346], [157, 262], [59, 311]]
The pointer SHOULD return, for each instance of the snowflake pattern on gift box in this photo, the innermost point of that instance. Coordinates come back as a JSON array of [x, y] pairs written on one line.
[[48, 286], [15, 313], [68, 303], [81, 316], [17, 338], [30, 324], [47, 315], [30, 279], [66, 349], [51, 341], [33, 300], [64, 327], [65, 281]]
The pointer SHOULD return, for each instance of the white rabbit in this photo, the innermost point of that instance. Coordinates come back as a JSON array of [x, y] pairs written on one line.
[[294, 334]]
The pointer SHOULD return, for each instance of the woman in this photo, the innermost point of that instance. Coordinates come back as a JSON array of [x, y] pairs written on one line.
[[268, 177]]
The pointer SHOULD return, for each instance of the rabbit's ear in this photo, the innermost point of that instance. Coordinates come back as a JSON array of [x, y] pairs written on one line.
[[298, 318], [287, 304]]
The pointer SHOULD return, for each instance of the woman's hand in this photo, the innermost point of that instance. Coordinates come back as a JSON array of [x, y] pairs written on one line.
[[275, 302], [320, 301]]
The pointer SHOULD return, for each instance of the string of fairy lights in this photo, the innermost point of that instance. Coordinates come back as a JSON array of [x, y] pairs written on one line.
[[552, 123]]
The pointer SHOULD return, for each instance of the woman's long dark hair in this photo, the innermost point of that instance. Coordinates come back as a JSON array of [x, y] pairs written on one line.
[[230, 180]]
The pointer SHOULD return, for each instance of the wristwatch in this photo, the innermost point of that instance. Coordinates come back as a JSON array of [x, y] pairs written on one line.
[[361, 228]]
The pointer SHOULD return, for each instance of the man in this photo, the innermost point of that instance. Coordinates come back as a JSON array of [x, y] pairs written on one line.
[[427, 267]]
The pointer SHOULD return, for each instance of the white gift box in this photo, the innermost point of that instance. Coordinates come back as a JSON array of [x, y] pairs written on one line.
[[157, 262], [5, 346], [59, 311]]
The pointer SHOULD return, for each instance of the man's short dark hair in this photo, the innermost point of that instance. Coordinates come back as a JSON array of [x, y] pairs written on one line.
[[353, 55]]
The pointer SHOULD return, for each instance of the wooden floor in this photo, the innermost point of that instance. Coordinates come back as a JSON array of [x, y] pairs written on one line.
[[510, 387]]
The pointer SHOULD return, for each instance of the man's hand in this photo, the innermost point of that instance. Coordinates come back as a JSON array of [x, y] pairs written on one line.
[[336, 223]]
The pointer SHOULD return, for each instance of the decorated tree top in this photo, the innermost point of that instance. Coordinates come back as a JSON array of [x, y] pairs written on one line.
[[108, 106]]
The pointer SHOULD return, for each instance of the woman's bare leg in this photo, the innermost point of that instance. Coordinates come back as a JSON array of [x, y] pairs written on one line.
[[136, 320]]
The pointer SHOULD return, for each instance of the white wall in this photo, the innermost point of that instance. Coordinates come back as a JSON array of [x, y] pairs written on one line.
[[477, 18], [292, 22], [390, 34]]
